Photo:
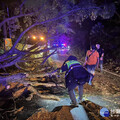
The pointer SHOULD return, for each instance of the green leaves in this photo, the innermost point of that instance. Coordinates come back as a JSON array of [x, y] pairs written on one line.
[[107, 11]]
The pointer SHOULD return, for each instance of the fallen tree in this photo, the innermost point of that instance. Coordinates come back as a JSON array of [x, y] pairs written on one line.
[[51, 18]]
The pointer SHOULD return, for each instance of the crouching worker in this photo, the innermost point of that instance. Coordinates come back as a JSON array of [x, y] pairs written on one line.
[[75, 76]]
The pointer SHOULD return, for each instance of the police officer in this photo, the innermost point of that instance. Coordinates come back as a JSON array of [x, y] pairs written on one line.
[[75, 76]]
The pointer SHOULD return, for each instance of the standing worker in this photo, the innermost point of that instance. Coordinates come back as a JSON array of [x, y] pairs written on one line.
[[101, 55], [75, 76], [92, 60]]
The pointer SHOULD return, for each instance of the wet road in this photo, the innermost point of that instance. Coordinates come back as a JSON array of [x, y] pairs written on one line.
[[60, 55]]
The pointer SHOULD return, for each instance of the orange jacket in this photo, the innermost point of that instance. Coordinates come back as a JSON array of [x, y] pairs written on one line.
[[93, 59]]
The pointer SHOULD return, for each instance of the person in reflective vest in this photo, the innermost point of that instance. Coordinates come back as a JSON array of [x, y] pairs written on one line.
[[75, 75]]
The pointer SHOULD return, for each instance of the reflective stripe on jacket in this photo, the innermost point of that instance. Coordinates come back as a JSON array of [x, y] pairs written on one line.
[[71, 62]]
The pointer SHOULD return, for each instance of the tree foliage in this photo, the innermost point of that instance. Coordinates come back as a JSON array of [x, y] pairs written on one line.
[[52, 17]]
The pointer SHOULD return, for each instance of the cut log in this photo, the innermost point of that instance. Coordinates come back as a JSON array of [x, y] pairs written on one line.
[[19, 92], [93, 111], [13, 78], [13, 85], [33, 90], [19, 110], [59, 113]]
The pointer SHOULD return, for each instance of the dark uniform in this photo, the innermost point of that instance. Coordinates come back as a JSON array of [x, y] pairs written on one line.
[[101, 54], [75, 76]]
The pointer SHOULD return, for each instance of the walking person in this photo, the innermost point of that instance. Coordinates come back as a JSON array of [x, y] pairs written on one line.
[[75, 76], [91, 60], [101, 55]]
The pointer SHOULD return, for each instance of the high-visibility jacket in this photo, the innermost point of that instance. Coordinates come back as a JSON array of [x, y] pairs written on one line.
[[75, 74], [68, 64]]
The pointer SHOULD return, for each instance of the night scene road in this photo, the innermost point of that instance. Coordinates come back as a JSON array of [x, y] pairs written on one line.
[[60, 55]]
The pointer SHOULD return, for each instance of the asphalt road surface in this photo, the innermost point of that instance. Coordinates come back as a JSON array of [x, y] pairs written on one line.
[[60, 55]]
